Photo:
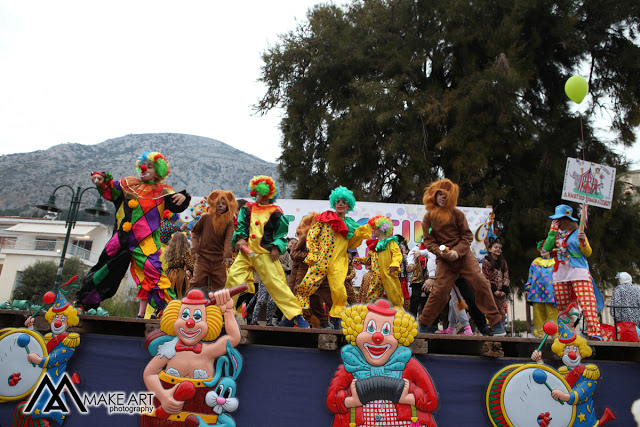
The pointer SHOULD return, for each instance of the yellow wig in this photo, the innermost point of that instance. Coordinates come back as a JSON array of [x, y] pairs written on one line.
[[172, 312]]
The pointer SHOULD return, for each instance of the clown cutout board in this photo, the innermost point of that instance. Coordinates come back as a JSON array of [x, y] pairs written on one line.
[[379, 382]]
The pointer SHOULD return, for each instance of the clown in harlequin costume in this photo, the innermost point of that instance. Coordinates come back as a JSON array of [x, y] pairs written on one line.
[[385, 258], [583, 379], [181, 365], [446, 234], [211, 241], [379, 382], [61, 347], [140, 204], [571, 277], [328, 241], [539, 290], [261, 239]]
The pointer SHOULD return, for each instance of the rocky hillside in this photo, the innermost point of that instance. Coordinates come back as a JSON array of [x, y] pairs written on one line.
[[198, 164]]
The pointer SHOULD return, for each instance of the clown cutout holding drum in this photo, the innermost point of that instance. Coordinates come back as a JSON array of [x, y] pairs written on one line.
[[379, 382]]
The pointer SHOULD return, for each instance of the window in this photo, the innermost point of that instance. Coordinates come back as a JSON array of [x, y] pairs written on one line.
[[45, 244], [7, 242], [81, 248]]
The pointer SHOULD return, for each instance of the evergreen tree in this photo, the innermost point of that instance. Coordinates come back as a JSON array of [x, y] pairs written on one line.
[[40, 277], [385, 96]]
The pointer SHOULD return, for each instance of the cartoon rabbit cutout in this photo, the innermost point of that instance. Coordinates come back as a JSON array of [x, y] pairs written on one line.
[[223, 397]]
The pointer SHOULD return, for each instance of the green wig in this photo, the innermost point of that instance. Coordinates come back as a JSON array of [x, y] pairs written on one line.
[[345, 194]]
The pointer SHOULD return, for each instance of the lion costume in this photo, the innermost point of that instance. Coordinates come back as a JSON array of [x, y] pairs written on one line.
[[448, 226], [211, 242]]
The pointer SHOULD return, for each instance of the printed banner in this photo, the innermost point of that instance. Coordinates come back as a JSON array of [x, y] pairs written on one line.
[[590, 183], [407, 220]]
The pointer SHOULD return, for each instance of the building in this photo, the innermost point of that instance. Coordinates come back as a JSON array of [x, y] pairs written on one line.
[[26, 240]]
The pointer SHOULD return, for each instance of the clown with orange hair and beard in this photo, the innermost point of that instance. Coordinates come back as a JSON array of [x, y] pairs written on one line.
[[446, 234], [211, 242]]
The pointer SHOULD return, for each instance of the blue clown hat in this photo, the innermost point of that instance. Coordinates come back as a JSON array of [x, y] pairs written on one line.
[[563, 211], [565, 334], [60, 304]]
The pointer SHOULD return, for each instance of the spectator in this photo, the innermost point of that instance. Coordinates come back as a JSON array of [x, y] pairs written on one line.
[[179, 264], [625, 302], [496, 271]]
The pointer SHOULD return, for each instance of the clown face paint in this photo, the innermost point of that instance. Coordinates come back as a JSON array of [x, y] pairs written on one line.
[[191, 326], [376, 341]]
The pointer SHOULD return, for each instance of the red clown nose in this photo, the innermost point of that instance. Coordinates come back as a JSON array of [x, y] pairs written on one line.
[[377, 338], [143, 168], [573, 355], [191, 323]]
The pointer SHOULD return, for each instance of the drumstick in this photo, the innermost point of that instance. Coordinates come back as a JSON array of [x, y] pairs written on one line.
[[540, 377], [23, 341], [549, 328]]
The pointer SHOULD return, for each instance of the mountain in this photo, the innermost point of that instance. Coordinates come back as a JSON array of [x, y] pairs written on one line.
[[198, 164]]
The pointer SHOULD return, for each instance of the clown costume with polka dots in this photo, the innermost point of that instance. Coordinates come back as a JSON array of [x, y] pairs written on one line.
[[539, 289], [328, 241], [385, 258], [140, 204]]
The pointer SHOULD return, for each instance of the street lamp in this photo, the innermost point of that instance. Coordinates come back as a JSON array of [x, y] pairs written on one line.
[[98, 209]]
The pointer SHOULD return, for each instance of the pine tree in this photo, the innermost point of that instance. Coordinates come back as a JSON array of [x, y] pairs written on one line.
[[385, 96]]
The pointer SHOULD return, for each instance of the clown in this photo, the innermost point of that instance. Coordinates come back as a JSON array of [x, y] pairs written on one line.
[[583, 379], [181, 365], [571, 277], [140, 204], [446, 234], [261, 239], [328, 241], [211, 241], [539, 290], [385, 258], [379, 382], [61, 346]]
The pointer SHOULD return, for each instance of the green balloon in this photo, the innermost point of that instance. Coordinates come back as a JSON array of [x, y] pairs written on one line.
[[576, 88]]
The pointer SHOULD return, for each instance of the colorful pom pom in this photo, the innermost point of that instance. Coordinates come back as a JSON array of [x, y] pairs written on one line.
[[126, 227], [133, 203]]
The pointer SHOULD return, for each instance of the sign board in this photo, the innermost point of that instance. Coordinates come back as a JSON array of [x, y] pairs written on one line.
[[590, 183]]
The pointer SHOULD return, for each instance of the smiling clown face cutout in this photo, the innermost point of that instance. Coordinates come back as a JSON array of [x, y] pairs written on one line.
[[377, 341], [191, 325]]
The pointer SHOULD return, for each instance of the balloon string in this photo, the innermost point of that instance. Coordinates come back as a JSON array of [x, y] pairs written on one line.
[[582, 133]]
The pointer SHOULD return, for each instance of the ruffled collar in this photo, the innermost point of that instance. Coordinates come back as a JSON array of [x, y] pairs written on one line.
[[356, 364], [133, 188], [334, 221], [257, 207], [544, 262], [382, 244]]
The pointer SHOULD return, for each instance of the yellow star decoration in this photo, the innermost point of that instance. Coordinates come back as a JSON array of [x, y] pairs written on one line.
[[64, 350], [589, 385], [37, 412], [582, 417]]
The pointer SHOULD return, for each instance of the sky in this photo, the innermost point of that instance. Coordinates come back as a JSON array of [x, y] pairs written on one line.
[[87, 71]]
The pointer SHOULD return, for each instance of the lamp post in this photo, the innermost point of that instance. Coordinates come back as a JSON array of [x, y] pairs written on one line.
[[98, 209]]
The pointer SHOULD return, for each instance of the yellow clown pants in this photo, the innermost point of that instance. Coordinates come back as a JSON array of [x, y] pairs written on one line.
[[272, 276], [542, 312]]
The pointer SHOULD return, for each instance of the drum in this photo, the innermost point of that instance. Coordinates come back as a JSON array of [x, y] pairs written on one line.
[[18, 377], [519, 395]]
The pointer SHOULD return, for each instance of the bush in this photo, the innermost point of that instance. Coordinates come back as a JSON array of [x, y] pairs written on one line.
[[40, 277]]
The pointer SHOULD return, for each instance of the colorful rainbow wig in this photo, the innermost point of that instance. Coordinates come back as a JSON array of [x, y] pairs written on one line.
[[264, 186], [382, 223], [160, 163], [345, 194]]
